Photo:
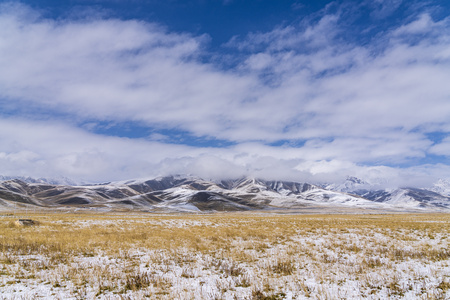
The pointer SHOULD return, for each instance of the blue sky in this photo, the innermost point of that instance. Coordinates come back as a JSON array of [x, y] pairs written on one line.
[[298, 90]]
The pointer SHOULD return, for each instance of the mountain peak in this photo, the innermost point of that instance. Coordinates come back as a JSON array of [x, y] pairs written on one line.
[[350, 184], [42, 180], [355, 180], [442, 186]]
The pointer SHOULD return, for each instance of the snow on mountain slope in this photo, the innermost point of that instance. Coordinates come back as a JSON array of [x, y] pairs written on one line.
[[350, 184], [291, 194], [182, 194], [442, 186], [435, 198], [400, 197], [409, 197], [55, 181]]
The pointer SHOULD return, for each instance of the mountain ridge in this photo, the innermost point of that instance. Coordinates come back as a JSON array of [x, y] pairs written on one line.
[[193, 194]]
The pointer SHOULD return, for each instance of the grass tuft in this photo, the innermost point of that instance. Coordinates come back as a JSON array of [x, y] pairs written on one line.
[[226, 256]]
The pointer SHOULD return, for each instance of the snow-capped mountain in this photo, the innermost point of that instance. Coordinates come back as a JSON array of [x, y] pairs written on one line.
[[409, 197], [436, 197], [56, 181], [442, 186], [192, 194], [349, 185]]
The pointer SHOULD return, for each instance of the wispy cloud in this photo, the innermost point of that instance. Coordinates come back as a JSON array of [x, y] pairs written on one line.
[[383, 8]]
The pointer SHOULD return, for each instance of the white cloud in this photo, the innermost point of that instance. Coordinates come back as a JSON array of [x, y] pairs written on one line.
[[53, 149], [442, 148], [57, 149], [343, 91], [423, 24], [114, 69], [130, 70], [353, 106]]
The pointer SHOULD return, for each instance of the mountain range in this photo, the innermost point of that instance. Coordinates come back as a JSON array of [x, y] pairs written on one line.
[[192, 194]]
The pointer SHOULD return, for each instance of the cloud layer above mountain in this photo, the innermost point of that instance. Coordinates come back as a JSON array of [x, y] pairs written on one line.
[[311, 100]]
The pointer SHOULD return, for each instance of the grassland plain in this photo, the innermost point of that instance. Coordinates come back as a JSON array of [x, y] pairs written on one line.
[[225, 256]]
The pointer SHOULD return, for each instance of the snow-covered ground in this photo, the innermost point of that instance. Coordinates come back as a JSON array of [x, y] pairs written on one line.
[[224, 256]]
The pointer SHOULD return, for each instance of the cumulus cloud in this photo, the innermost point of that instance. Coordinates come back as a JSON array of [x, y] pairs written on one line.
[[114, 69], [343, 108], [41, 148], [54, 149], [380, 99]]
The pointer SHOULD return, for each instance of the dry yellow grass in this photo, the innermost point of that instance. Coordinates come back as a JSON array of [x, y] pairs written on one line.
[[226, 256]]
